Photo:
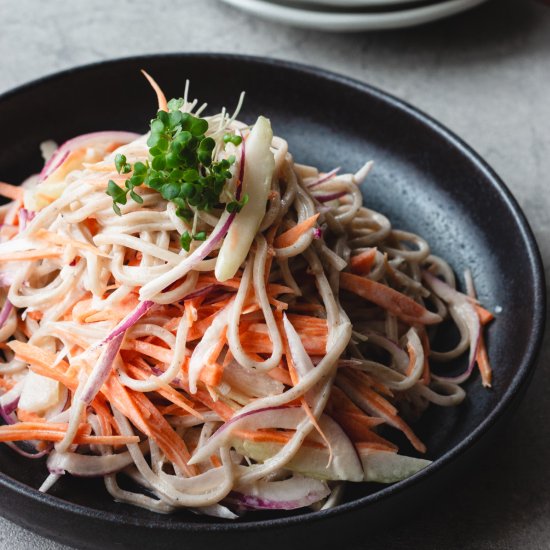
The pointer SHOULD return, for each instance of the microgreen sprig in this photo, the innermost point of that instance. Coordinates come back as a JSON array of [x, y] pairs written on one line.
[[180, 167]]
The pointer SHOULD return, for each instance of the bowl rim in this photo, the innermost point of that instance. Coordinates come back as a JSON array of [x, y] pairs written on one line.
[[519, 381]]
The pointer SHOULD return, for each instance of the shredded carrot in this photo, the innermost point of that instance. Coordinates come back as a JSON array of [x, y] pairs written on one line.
[[166, 391], [13, 192], [484, 315], [289, 237], [382, 407], [27, 416], [274, 436], [164, 355], [426, 373], [55, 238], [35, 315], [44, 431], [362, 263], [483, 363], [146, 417], [412, 359], [40, 361], [216, 462], [386, 297], [6, 384], [161, 98], [29, 255], [93, 226]]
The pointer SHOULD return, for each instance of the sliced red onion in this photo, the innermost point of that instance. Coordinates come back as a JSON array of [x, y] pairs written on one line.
[[290, 494], [187, 264], [198, 484], [325, 177], [330, 196], [84, 140], [270, 417], [200, 292], [25, 216], [317, 233], [158, 372], [5, 312], [398, 354], [129, 321], [37, 454], [6, 411], [6, 279], [87, 465], [465, 310], [54, 162], [101, 369]]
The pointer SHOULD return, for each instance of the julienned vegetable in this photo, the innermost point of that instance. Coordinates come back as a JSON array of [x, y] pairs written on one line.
[[258, 173], [230, 329]]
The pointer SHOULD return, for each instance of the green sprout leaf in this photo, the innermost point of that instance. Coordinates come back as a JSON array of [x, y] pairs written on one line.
[[180, 167]]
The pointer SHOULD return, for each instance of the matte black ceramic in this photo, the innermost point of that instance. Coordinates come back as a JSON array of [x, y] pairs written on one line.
[[425, 179]]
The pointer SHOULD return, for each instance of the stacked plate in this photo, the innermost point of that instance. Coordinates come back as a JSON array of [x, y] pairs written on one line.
[[353, 15]]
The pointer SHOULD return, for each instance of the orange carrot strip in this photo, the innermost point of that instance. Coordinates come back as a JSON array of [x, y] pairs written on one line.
[[13, 192], [382, 407], [6, 384], [289, 237], [146, 418], [29, 255], [164, 355], [43, 431], [484, 315], [483, 363], [167, 392], [93, 226], [40, 361], [362, 263], [106, 439], [35, 315], [27, 416], [355, 422], [412, 359], [400, 305], [216, 462], [104, 415], [274, 436], [426, 373], [212, 374], [161, 98], [61, 240], [269, 436]]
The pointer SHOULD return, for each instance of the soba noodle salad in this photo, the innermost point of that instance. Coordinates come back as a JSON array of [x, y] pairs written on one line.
[[204, 323]]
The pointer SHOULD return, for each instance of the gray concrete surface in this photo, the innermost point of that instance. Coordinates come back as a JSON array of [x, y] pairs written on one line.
[[485, 74]]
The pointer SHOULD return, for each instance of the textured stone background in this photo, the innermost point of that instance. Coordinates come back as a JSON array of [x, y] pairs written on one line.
[[485, 74]]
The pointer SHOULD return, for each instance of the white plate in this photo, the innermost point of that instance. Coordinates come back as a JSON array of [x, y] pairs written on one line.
[[350, 22], [343, 4]]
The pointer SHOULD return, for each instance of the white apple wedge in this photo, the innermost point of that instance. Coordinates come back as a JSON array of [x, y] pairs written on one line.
[[259, 166]]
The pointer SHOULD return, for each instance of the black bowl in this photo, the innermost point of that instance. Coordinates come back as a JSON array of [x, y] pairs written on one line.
[[425, 179]]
